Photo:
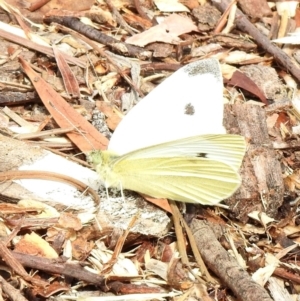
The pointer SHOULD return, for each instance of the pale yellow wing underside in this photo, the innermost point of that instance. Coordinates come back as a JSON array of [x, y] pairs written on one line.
[[200, 169], [193, 180]]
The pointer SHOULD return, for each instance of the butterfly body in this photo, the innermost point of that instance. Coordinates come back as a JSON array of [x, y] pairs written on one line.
[[199, 169]]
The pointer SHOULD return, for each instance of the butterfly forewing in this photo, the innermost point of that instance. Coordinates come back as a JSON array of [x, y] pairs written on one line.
[[162, 115], [186, 179]]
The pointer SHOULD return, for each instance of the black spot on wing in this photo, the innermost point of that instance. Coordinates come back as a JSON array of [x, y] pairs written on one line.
[[189, 109]]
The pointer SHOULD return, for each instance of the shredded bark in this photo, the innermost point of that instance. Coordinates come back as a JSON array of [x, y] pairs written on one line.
[[225, 266], [246, 26], [98, 36]]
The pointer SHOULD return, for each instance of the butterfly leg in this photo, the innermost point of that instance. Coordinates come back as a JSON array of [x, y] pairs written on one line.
[[222, 206], [106, 189], [122, 192]]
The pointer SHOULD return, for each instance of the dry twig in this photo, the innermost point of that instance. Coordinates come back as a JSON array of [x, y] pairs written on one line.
[[226, 267], [245, 25]]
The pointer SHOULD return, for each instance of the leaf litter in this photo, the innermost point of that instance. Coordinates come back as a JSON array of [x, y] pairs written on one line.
[[125, 248]]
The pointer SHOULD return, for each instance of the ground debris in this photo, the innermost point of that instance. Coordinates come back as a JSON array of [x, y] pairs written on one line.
[[67, 84]]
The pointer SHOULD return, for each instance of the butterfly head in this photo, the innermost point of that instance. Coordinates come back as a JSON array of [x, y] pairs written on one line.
[[103, 162], [94, 157]]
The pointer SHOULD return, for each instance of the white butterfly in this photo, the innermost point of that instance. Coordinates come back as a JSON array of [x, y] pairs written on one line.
[[172, 144]]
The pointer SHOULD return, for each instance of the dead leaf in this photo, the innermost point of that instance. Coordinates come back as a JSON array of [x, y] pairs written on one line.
[[85, 136], [70, 82], [241, 80], [167, 31]]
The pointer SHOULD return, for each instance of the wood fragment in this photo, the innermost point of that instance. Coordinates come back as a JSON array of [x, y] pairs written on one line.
[[37, 4], [69, 79], [11, 261], [44, 133], [40, 48], [72, 158], [98, 36], [33, 223], [283, 273], [178, 223], [118, 248], [10, 291], [58, 266], [233, 41], [278, 292], [255, 9], [225, 266], [154, 67], [15, 231], [230, 21], [177, 276], [86, 137], [101, 52], [136, 21], [283, 25], [223, 19], [274, 26], [140, 11], [119, 287], [119, 17], [61, 146], [11, 98], [17, 119], [262, 186], [246, 26]]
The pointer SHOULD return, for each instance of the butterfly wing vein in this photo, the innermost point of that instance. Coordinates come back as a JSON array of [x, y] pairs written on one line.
[[228, 148], [200, 169], [184, 179]]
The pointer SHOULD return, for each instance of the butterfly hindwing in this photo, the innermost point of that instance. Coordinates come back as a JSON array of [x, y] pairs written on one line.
[[196, 180]]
